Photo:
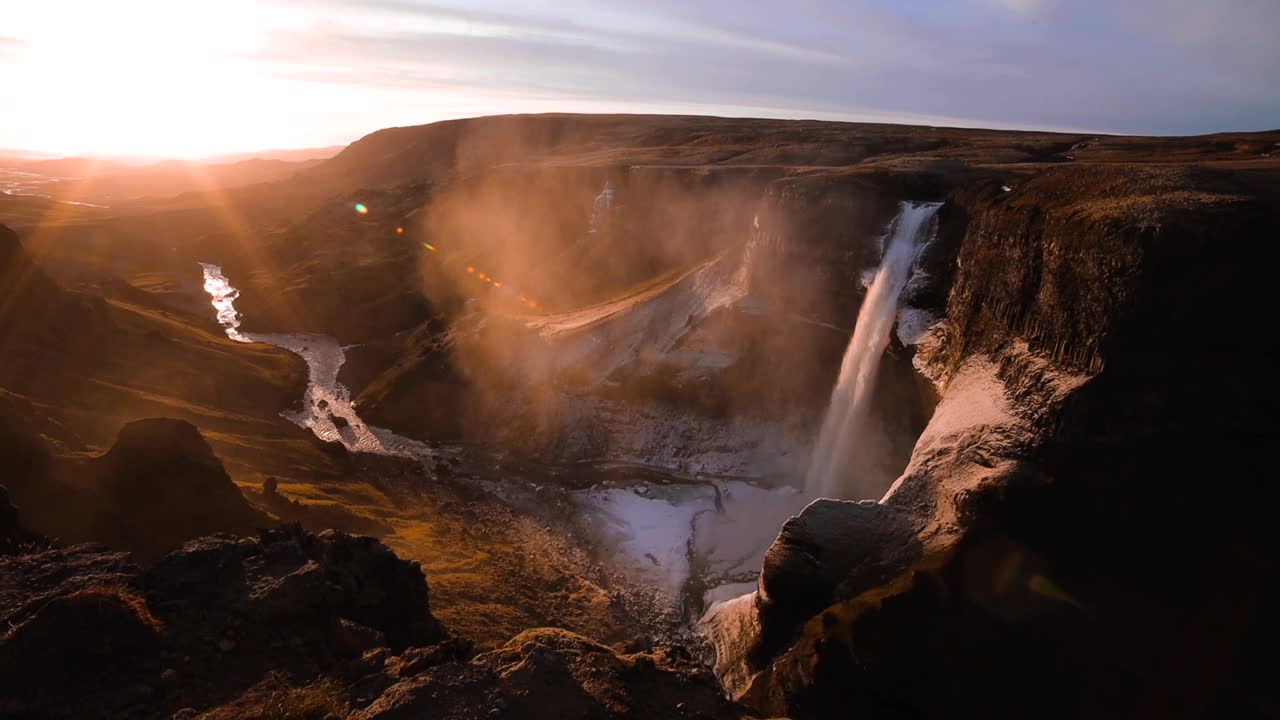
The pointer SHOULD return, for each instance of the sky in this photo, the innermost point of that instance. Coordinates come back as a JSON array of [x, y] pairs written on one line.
[[189, 78]]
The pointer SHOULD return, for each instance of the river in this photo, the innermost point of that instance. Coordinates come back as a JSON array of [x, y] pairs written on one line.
[[698, 543]]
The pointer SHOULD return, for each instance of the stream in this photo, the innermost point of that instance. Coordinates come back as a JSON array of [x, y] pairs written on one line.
[[699, 543]]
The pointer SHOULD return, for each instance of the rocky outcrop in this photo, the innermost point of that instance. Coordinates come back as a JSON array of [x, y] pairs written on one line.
[[88, 630], [273, 625], [159, 485], [554, 673], [1096, 384]]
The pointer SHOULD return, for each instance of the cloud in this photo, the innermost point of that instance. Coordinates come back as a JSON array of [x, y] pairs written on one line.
[[338, 68], [1028, 8], [1132, 67]]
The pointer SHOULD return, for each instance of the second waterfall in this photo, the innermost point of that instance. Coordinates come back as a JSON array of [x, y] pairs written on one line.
[[847, 461]]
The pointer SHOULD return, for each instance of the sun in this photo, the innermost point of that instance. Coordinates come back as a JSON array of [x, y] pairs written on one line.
[[141, 77]]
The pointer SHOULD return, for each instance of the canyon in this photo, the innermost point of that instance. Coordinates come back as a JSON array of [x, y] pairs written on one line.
[[674, 416]]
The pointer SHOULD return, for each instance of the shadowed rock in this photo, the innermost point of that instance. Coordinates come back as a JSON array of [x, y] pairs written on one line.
[[160, 485], [13, 536], [554, 673], [92, 625]]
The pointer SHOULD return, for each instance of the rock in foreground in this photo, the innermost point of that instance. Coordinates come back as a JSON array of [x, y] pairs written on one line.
[[294, 624]]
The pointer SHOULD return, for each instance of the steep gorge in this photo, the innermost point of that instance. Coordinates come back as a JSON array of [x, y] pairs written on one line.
[[1074, 393], [1057, 537]]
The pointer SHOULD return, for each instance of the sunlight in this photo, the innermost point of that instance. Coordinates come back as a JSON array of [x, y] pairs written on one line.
[[143, 77]]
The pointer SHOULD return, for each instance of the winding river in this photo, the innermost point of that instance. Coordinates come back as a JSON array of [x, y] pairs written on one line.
[[325, 398], [698, 543]]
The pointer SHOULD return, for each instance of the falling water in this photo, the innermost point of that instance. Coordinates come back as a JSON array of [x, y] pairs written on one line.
[[600, 208], [846, 462]]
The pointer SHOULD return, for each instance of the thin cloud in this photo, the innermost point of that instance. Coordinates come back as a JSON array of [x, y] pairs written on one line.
[[339, 68], [1033, 63]]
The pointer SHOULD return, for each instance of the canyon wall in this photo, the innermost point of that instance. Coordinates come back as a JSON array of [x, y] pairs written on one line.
[[1078, 526], [721, 361]]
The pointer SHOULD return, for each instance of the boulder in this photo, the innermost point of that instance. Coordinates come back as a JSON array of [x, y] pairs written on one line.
[[161, 484]]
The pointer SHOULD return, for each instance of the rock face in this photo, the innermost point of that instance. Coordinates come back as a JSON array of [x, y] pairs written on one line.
[[1097, 385], [289, 620]]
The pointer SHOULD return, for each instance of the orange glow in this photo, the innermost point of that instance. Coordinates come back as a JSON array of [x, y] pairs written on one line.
[[400, 231], [497, 284], [470, 269], [482, 276], [178, 67]]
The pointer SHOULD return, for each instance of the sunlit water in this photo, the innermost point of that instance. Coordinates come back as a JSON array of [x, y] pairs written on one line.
[[698, 543], [26, 184], [847, 461], [325, 398]]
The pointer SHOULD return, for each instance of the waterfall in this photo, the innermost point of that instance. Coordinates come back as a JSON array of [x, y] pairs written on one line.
[[847, 462], [600, 208]]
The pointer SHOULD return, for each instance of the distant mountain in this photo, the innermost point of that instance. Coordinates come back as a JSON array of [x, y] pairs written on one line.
[[295, 155], [104, 182], [19, 154]]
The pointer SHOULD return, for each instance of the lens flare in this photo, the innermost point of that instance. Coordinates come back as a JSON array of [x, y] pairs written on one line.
[[360, 208], [1048, 588], [471, 270]]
